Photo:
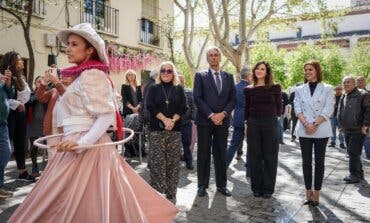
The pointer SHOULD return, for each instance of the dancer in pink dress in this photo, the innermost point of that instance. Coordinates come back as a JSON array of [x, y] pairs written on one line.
[[90, 185]]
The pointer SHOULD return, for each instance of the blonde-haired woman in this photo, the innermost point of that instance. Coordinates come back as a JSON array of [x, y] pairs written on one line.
[[131, 94], [166, 104]]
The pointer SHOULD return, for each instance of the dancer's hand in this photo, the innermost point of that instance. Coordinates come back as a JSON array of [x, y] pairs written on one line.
[[66, 146]]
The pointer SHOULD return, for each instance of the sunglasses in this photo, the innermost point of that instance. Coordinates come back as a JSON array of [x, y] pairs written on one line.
[[164, 71]]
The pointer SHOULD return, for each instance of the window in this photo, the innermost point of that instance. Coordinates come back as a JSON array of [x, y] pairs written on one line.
[[149, 30], [101, 16]]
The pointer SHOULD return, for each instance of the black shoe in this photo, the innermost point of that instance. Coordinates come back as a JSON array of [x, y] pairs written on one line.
[[314, 203], [332, 145], [342, 146], [307, 202], [293, 139], [282, 143], [267, 195], [25, 176], [189, 166], [224, 191], [256, 194], [201, 191], [351, 179]]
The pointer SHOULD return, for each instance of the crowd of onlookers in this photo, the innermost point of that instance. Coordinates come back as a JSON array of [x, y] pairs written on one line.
[[256, 107]]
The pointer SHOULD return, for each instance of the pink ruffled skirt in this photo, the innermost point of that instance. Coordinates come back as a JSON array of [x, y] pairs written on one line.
[[96, 185]]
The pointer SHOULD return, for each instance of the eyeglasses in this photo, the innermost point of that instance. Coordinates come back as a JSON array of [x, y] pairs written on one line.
[[164, 71]]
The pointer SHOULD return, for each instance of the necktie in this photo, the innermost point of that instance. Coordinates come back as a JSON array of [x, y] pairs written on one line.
[[218, 82]]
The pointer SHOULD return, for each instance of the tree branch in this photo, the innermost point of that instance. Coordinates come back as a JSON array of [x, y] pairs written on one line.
[[179, 5], [15, 15], [225, 16], [212, 15], [202, 50]]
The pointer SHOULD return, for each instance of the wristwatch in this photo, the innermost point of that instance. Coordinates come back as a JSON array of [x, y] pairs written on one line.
[[315, 124]]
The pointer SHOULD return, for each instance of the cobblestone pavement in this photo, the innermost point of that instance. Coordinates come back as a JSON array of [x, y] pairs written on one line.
[[339, 202]]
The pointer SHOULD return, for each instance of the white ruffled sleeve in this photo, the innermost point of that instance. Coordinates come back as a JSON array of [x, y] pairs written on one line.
[[97, 93]]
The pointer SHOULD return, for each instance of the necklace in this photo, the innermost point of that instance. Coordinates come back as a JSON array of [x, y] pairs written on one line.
[[167, 97]]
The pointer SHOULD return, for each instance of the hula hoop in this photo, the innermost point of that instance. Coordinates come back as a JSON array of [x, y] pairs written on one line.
[[38, 143]]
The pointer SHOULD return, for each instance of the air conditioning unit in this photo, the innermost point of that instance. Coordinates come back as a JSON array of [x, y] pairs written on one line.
[[50, 40]]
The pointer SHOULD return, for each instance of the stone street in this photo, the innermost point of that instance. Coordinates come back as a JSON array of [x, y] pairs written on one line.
[[339, 202]]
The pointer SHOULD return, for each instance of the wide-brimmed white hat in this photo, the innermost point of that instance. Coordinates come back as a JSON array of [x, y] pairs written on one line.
[[87, 32]]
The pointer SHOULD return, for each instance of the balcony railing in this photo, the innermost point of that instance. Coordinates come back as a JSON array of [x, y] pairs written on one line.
[[149, 32], [102, 17], [22, 6]]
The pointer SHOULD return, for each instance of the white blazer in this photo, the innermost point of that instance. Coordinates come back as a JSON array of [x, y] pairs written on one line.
[[320, 103]]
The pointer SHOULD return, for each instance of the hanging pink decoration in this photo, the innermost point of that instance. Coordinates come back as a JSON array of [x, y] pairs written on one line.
[[123, 61]]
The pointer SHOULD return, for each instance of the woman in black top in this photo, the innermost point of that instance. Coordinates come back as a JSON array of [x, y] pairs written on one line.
[[131, 94], [166, 104], [263, 106]]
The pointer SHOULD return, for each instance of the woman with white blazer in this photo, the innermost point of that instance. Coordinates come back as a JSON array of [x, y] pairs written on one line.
[[313, 104]]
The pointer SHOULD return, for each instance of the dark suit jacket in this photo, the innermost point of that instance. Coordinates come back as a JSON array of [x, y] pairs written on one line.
[[127, 98], [208, 100], [238, 120]]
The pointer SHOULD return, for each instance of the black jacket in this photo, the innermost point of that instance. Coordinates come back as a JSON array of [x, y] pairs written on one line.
[[354, 111], [191, 111], [127, 98]]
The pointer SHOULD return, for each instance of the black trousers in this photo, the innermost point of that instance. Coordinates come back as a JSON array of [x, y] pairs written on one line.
[[354, 142], [212, 139], [186, 131], [294, 123], [17, 123], [263, 149], [319, 145]]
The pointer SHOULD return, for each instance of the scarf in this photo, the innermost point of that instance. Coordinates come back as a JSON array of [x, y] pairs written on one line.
[[88, 65], [95, 64]]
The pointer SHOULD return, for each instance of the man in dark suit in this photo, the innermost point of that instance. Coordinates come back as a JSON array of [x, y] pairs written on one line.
[[237, 139], [214, 96]]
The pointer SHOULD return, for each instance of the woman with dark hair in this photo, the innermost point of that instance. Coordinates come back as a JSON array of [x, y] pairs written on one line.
[[263, 106], [313, 105], [17, 120]]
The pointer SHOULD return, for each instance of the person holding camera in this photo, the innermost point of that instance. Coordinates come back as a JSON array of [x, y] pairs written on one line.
[[166, 104], [17, 122]]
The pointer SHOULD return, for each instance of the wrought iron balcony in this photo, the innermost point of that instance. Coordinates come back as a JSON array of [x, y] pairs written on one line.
[[149, 32], [103, 18], [38, 8]]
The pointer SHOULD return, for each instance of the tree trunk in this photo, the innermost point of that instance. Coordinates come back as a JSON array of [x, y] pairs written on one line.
[[31, 58], [26, 30]]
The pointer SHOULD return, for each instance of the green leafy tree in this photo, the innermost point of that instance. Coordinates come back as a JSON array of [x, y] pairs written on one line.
[[333, 65], [330, 58], [298, 58], [267, 52], [359, 61]]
